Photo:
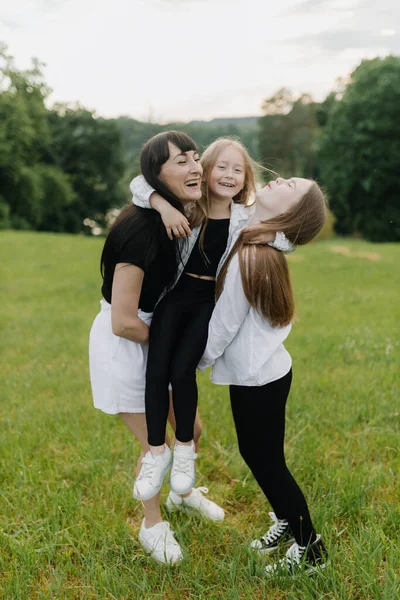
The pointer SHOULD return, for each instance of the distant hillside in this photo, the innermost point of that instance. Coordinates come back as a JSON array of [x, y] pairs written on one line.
[[136, 133], [224, 121]]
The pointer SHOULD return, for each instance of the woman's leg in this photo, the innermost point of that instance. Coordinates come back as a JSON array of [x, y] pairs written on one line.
[[155, 535], [136, 423], [259, 415]]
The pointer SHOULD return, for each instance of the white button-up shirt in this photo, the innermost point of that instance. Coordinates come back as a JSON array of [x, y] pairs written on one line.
[[242, 346]]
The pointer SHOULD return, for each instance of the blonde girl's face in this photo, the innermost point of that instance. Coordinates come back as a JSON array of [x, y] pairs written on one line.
[[228, 174], [280, 195]]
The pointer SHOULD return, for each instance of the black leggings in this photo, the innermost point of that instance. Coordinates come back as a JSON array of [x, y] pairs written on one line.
[[178, 337], [259, 415]]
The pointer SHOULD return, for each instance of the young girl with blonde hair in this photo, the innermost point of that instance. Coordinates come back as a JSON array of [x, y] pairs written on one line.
[[250, 322], [178, 333]]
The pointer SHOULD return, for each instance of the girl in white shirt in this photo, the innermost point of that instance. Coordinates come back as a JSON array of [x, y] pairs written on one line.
[[250, 322]]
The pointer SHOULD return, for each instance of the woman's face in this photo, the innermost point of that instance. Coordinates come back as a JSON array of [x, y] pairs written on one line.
[[228, 174], [182, 174], [281, 195]]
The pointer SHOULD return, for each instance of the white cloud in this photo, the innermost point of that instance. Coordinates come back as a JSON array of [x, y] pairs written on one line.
[[188, 59]]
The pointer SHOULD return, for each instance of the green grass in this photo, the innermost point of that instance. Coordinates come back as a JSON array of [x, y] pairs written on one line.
[[69, 524]]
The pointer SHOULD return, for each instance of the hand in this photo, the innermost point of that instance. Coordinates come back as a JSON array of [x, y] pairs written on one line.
[[175, 223], [204, 364], [262, 238]]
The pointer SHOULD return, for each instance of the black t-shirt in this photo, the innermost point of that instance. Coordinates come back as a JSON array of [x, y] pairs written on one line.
[[214, 245], [146, 251]]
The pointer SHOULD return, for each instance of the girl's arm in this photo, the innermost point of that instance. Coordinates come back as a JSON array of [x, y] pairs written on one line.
[[146, 197], [141, 192], [228, 316], [127, 285]]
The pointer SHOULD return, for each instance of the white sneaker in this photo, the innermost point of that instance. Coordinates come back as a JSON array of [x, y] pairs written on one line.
[[308, 559], [183, 472], [159, 541], [195, 503], [154, 468]]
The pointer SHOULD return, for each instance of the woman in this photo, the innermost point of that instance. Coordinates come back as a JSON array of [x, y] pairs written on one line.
[[138, 262], [250, 322]]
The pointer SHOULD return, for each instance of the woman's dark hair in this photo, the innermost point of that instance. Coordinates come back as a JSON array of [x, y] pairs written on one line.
[[155, 153], [133, 220]]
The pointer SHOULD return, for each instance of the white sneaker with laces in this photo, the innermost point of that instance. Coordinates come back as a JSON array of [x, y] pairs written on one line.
[[195, 503], [278, 534], [183, 472], [160, 543], [308, 559], [154, 468]]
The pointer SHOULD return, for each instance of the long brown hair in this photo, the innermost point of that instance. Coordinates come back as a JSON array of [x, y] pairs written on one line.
[[264, 270]]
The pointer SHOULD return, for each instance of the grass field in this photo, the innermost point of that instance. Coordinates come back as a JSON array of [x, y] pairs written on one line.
[[69, 524]]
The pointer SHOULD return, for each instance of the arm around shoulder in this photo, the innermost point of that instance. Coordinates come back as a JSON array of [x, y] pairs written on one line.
[[145, 196], [141, 192]]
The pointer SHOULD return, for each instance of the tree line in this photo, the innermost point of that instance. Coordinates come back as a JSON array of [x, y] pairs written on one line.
[[64, 168]]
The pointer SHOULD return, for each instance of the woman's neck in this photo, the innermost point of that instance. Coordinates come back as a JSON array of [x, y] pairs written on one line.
[[259, 215], [220, 208]]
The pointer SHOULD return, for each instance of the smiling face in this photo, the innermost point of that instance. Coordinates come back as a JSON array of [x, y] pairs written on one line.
[[182, 173], [281, 195], [227, 175]]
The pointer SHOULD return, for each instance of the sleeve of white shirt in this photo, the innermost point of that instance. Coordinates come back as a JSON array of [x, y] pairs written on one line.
[[228, 316], [141, 192]]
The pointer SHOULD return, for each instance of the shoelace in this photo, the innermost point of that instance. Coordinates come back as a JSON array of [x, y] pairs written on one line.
[[147, 469], [182, 463], [276, 530], [202, 501], [168, 538], [293, 556]]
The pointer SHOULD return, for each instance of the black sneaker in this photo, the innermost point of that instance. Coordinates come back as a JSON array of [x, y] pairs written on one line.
[[279, 533], [306, 559]]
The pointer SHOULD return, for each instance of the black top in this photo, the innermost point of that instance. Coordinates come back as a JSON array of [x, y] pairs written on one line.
[[205, 261], [157, 266]]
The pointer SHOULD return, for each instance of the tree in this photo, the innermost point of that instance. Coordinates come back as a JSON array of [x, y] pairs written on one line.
[[89, 152], [25, 139], [360, 152], [136, 133], [288, 133]]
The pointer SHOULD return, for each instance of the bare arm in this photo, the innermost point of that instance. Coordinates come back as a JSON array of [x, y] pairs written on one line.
[[127, 285], [145, 196], [174, 221]]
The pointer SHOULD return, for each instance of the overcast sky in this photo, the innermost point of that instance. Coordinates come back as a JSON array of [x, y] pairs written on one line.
[[194, 59]]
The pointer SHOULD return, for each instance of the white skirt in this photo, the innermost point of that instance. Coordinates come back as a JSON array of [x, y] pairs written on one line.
[[117, 366]]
